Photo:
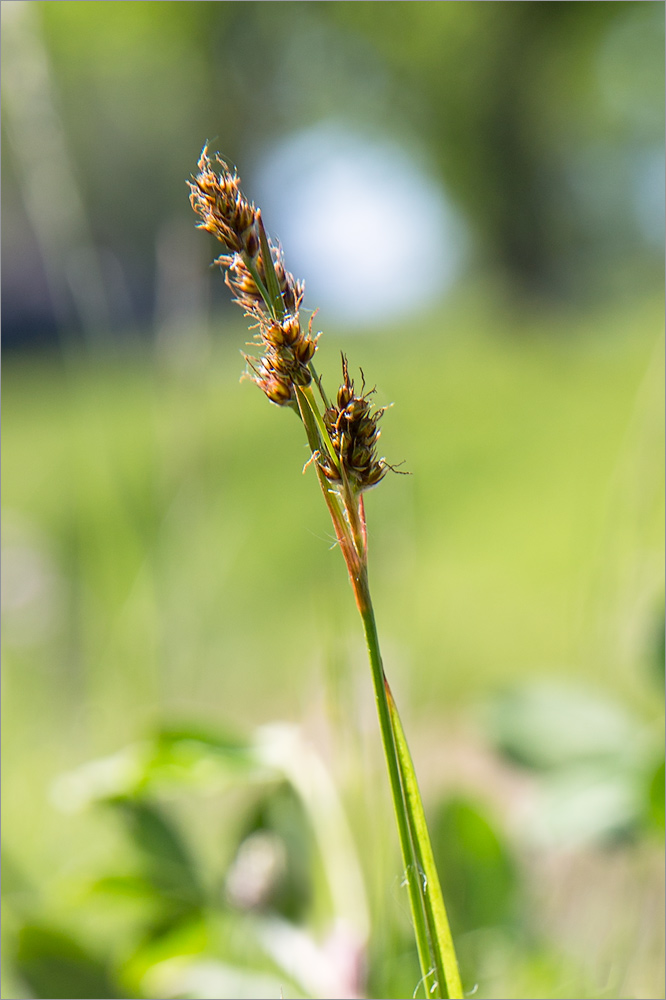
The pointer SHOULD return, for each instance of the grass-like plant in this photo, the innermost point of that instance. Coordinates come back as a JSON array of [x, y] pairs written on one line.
[[342, 435]]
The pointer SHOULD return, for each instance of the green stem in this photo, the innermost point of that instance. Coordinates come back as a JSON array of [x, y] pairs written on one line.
[[325, 436], [437, 958], [308, 414], [412, 873]]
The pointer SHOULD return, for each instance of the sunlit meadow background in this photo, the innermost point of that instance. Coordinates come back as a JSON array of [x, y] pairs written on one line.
[[474, 195]]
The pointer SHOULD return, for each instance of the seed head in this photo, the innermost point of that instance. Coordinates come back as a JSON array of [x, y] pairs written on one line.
[[236, 222], [225, 211], [352, 427]]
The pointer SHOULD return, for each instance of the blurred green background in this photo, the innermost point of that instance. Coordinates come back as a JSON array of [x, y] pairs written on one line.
[[195, 802]]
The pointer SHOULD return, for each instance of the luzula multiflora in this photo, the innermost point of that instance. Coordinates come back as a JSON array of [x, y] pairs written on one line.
[[343, 441]]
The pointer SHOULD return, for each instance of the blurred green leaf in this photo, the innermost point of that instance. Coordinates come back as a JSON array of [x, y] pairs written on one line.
[[179, 940], [183, 757], [479, 875], [592, 755], [583, 803], [547, 725], [128, 886], [165, 858], [194, 755], [227, 745], [54, 965]]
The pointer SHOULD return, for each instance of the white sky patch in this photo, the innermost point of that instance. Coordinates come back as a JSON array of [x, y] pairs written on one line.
[[372, 236]]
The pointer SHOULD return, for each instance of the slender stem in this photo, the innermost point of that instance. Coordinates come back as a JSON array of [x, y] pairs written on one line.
[[325, 436], [307, 412], [412, 874], [437, 958], [439, 932]]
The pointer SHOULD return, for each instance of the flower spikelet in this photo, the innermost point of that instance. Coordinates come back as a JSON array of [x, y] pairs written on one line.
[[225, 211], [353, 428], [287, 353]]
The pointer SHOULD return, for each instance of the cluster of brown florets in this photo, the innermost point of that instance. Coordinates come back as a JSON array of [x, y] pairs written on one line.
[[225, 211], [353, 429], [270, 295], [236, 222], [284, 363]]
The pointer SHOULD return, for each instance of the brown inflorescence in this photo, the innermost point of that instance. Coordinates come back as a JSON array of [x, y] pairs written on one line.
[[353, 428], [236, 222], [284, 363], [284, 367], [225, 211]]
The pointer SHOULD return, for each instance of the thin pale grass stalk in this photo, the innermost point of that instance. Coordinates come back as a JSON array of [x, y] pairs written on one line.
[[342, 442]]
